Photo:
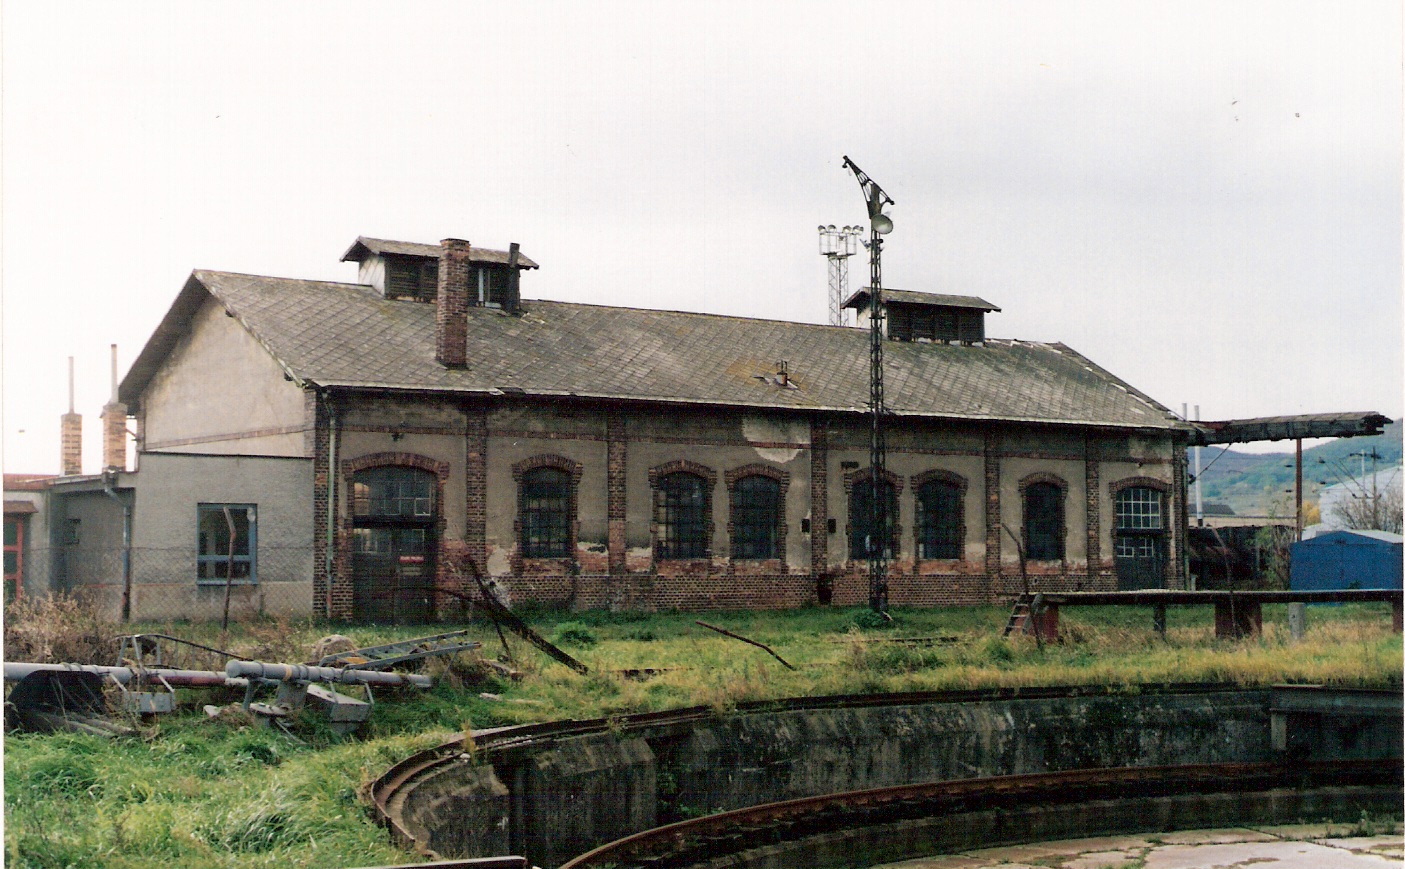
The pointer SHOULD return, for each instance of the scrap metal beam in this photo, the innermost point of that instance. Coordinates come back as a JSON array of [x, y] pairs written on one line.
[[1278, 428]]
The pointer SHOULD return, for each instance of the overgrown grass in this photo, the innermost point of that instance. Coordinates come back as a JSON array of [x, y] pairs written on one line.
[[221, 793]]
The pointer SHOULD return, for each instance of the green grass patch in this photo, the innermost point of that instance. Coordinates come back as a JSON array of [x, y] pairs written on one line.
[[197, 792]]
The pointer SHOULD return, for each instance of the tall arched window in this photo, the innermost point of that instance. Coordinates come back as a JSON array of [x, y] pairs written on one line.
[[862, 532], [756, 517], [939, 519], [1044, 521], [680, 516], [544, 513]]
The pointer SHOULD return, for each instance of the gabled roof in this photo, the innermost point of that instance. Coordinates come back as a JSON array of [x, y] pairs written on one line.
[[363, 247], [912, 297], [346, 335]]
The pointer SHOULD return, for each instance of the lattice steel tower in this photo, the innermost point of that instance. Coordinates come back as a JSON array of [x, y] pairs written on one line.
[[838, 245]]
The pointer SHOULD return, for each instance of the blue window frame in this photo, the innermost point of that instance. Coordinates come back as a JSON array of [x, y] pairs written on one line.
[[217, 527]]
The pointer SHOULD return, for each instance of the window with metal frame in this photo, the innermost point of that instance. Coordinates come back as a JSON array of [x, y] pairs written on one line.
[[680, 516], [861, 530], [939, 519], [393, 491], [755, 517], [1139, 522], [544, 513], [1044, 522], [227, 543]]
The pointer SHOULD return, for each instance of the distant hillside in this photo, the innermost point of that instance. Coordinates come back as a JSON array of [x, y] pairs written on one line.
[[1262, 484]]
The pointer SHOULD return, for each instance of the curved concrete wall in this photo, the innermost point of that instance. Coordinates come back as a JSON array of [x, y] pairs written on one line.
[[550, 802]]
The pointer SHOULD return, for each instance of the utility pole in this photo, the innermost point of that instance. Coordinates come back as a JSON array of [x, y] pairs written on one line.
[[879, 534]]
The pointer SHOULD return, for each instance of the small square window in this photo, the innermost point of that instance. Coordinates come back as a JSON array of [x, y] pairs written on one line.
[[226, 543]]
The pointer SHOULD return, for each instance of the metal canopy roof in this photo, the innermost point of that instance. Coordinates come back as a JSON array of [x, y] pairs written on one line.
[[1277, 428]]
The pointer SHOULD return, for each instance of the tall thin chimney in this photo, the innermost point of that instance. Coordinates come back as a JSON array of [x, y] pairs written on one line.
[[514, 274], [114, 426], [71, 434], [451, 304]]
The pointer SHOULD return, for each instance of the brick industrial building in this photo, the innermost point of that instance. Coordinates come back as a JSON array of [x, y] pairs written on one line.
[[427, 421]]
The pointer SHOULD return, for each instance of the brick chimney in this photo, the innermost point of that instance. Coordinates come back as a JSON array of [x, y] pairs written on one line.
[[114, 426], [71, 434], [451, 304]]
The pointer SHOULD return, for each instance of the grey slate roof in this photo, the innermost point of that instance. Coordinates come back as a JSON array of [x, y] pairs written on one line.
[[337, 334], [912, 297], [364, 245]]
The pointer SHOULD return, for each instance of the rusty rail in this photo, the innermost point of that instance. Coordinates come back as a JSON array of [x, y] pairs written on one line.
[[731, 832], [495, 740]]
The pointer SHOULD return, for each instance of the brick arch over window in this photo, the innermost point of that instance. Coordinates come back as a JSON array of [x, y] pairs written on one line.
[[341, 590], [782, 480], [1145, 482], [1044, 534], [709, 481], [572, 469], [950, 478], [864, 474], [861, 477], [404, 460]]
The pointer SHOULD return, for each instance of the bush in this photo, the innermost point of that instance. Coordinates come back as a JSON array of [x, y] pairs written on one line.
[[59, 629], [868, 620], [573, 634]]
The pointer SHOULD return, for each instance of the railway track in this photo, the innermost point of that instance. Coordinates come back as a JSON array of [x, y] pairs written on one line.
[[729, 832], [387, 790], [700, 840]]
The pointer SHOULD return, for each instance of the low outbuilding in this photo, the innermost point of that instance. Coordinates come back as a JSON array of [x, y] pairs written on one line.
[[1347, 559]]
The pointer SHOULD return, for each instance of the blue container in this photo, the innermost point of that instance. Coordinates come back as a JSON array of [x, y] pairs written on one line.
[[1346, 559]]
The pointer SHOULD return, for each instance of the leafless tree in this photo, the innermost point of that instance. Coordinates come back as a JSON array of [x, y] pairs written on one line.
[[1371, 511]]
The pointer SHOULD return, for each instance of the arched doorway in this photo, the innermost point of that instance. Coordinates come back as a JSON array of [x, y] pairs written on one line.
[[1140, 539], [393, 525]]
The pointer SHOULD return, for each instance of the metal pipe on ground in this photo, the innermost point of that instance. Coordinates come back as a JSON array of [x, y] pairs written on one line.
[[17, 670], [307, 673]]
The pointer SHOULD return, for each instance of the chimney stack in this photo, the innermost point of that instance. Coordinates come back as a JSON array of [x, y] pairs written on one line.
[[451, 304], [514, 274], [71, 434], [114, 426]]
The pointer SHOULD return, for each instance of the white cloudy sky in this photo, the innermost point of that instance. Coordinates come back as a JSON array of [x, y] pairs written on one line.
[[1205, 198]]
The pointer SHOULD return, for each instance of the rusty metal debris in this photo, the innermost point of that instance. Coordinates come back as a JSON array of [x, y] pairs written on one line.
[[70, 696], [761, 646], [389, 654]]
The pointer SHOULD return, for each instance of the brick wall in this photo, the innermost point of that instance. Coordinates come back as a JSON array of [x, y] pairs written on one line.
[[451, 304], [114, 435], [617, 577], [71, 444]]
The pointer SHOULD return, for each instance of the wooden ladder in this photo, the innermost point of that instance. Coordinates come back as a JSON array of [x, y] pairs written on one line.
[[1019, 615]]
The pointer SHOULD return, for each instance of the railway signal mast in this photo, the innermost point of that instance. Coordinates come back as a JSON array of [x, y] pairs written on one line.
[[880, 534], [838, 245]]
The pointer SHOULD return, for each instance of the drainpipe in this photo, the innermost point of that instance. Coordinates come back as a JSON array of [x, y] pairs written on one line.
[[109, 477], [330, 554]]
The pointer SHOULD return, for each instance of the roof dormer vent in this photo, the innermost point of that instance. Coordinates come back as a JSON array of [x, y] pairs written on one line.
[[926, 317]]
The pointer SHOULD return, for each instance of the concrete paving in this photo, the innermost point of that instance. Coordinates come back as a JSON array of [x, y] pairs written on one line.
[[1296, 846]]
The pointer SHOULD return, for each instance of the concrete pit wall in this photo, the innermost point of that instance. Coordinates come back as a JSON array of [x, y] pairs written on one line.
[[550, 801]]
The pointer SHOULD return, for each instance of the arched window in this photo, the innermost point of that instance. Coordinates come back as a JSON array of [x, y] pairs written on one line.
[[1044, 521], [544, 513], [862, 532], [939, 519], [680, 516], [756, 517]]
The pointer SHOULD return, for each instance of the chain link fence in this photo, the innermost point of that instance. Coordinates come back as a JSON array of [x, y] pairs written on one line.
[[162, 585]]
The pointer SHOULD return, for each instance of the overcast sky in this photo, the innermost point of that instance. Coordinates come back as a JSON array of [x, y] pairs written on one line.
[[1205, 198]]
